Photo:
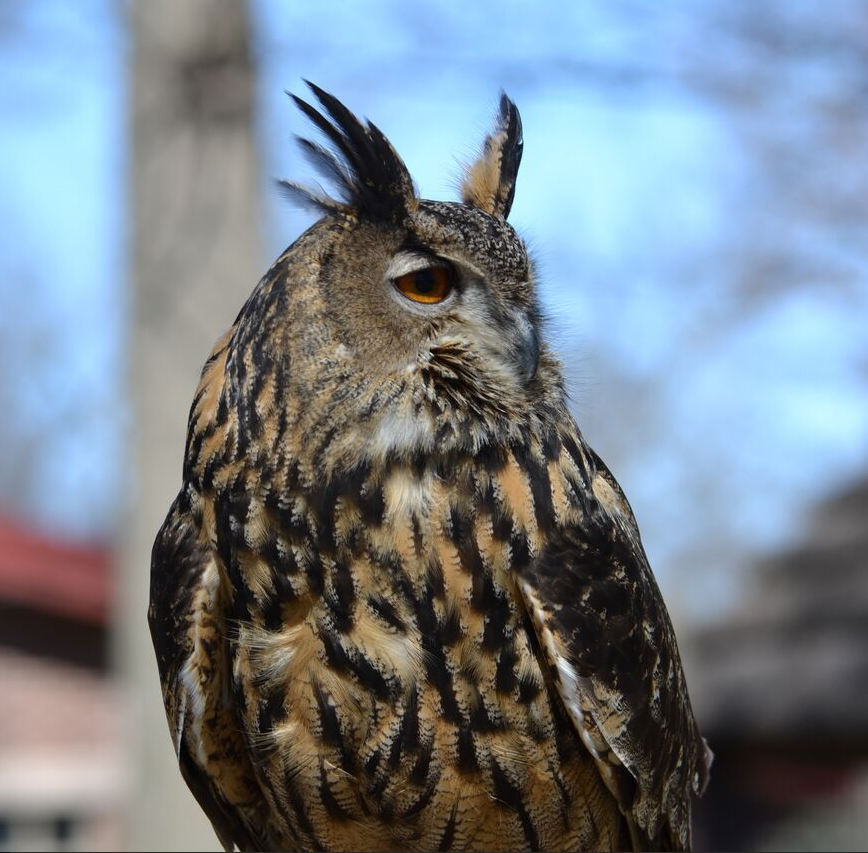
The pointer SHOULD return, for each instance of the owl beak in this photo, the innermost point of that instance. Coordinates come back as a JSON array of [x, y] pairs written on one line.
[[525, 347]]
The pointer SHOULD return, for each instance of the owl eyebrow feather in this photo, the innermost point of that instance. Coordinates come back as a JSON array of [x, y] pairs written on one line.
[[410, 260], [371, 178]]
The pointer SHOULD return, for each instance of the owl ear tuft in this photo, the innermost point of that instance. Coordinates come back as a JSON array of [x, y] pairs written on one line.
[[370, 177], [489, 183]]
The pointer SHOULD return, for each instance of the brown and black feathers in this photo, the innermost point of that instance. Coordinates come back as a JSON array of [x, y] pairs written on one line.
[[399, 603], [490, 182], [368, 173]]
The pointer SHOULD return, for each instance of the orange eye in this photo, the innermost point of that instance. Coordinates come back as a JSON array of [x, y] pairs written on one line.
[[430, 285]]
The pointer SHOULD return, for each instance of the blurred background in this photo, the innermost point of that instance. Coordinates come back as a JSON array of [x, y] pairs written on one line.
[[695, 191]]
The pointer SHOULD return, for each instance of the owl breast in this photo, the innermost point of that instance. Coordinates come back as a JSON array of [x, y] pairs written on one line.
[[393, 692]]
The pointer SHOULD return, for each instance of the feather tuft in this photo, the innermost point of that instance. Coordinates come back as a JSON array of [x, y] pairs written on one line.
[[489, 183], [371, 179]]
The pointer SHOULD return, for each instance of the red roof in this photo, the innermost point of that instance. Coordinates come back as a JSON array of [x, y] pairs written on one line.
[[54, 575]]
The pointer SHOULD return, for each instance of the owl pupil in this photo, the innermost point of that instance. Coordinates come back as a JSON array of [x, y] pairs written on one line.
[[425, 281]]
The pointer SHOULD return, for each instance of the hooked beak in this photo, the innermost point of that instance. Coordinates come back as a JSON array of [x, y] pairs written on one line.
[[525, 347]]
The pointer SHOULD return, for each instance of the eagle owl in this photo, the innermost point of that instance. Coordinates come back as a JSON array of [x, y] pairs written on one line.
[[399, 603]]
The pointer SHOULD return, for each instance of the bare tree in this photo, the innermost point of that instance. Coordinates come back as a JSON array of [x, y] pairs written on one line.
[[194, 254]]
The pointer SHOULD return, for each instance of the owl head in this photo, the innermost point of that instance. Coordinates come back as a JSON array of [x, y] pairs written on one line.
[[416, 319]]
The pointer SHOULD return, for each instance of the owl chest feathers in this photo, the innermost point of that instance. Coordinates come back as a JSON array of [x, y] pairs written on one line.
[[385, 661]]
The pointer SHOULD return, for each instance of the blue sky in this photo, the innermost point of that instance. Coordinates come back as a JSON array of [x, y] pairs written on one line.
[[62, 256], [650, 201]]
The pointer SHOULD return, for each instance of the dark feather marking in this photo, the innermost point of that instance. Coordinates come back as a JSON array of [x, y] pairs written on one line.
[[492, 457], [386, 611], [510, 157], [324, 443], [281, 560], [505, 677], [579, 461], [540, 486], [373, 762], [208, 472], [373, 180], [424, 799], [419, 773], [551, 445], [355, 541], [437, 673], [460, 529], [342, 598], [272, 711], [391, 563], [528, 689], [353, 479], [426, 618], [293, 525], [314, 571], [194, 449], [467, 762], [520, 550], [372, 504], [407, 736], [272, 611], [481, 720], [435, 582], [336, 656], [449, 631], [353, 661], [410, 723], [333, 808], [501, 520], [495, 605], [461, 533], [380, 783], [322, 502], [229, 510], [418, 464], [330, 729], [448, 837], [510, 796], [445, 463], [370, 677]]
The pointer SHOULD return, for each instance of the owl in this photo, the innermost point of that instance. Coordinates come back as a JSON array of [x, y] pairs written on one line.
[[399, 603]]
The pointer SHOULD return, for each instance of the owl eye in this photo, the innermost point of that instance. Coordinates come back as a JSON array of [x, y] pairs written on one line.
[[429, 285]]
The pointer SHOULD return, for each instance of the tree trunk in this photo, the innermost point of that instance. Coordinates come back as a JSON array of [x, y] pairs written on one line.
[[195, 255]]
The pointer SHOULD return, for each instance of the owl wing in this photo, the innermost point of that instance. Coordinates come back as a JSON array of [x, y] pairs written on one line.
[[603, 626], [186, 621]]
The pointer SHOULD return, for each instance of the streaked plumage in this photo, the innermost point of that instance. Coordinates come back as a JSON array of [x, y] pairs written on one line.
[[399, 603]]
